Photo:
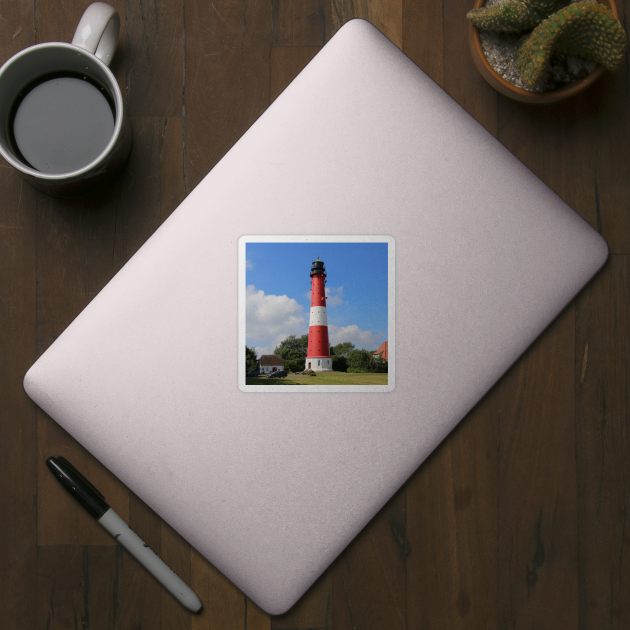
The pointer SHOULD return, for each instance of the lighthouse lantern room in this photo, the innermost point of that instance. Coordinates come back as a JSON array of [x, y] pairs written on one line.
[[318, 354]]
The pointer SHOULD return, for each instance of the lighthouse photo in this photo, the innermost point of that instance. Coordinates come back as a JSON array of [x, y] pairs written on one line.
[[318, 354], [316, 313]]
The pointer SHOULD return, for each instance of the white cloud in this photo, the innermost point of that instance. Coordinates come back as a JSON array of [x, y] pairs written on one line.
[[362, 339], [249, 264], [271, 318], [335, 296]]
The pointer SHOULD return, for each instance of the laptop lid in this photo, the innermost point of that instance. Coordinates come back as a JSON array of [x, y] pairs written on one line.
[[270, 482]]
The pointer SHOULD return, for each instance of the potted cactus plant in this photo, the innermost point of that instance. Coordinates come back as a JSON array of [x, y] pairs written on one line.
[[558, 49]]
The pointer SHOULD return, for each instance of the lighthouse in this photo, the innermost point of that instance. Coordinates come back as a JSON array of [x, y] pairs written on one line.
[[318, 354]]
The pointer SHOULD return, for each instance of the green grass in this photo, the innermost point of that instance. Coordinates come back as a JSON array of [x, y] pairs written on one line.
[[323, 378]]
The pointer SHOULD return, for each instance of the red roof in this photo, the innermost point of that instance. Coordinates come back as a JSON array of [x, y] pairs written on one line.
[[382, 351]]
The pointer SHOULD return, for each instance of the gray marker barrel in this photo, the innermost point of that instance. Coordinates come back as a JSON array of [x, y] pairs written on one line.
[[149, 559]]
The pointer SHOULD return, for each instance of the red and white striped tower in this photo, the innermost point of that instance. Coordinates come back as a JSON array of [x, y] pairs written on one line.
[[318, 354]]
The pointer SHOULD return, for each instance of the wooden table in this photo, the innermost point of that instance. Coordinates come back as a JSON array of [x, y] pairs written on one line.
[[518, 520]]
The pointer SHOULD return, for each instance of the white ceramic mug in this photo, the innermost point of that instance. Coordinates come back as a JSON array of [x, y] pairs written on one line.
[[86, 59]]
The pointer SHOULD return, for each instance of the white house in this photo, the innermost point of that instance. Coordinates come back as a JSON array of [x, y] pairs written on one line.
[[271, 363]]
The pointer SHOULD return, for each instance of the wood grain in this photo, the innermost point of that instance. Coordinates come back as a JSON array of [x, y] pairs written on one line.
[[422, 36], [18, 416], [303, 23], [602, 380], [537, 510], [76, 587], [461, 79], [154, 59], [369, 577], [226, 78], [452, 516]]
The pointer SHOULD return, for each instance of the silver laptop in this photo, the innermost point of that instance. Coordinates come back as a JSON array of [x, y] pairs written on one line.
[[473, 257]]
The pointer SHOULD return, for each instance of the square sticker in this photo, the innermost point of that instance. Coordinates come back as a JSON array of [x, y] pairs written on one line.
[[316, 313]]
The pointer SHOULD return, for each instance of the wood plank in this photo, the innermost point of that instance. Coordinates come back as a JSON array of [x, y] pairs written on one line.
[[17, 28], [423, 36], [462, 80], [18, 415], [603, 469], [608, 127], [386, 15], [76, 587], [226, 78], [369, 577], [537, 537], [452, 526], [300, 23], [18, 421], [154, 57], [74, 248]]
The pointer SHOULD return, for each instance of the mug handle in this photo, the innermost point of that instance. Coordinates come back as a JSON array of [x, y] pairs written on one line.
[[98, 30]]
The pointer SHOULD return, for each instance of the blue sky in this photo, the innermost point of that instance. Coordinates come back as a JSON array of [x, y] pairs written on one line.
[[278, 285]]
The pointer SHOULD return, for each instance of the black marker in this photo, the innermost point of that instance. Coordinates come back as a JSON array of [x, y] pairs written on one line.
[[94, 502]]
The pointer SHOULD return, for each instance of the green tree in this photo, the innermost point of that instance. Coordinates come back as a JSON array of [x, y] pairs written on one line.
[[295, 364], [293, 343], [379, 365], [343, 349], [359, 361], [293, 359], [251, 362]]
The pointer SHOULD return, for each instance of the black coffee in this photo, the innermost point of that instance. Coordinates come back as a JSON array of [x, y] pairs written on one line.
[[61, 123]]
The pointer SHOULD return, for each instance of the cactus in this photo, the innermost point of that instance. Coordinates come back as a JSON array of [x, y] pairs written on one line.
[[513, 16], [584, 29]]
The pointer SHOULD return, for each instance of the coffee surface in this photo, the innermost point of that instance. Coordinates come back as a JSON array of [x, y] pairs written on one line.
[[62, 124]]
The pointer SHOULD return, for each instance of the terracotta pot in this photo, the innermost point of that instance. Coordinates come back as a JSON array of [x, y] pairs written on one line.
[[518, 94]]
